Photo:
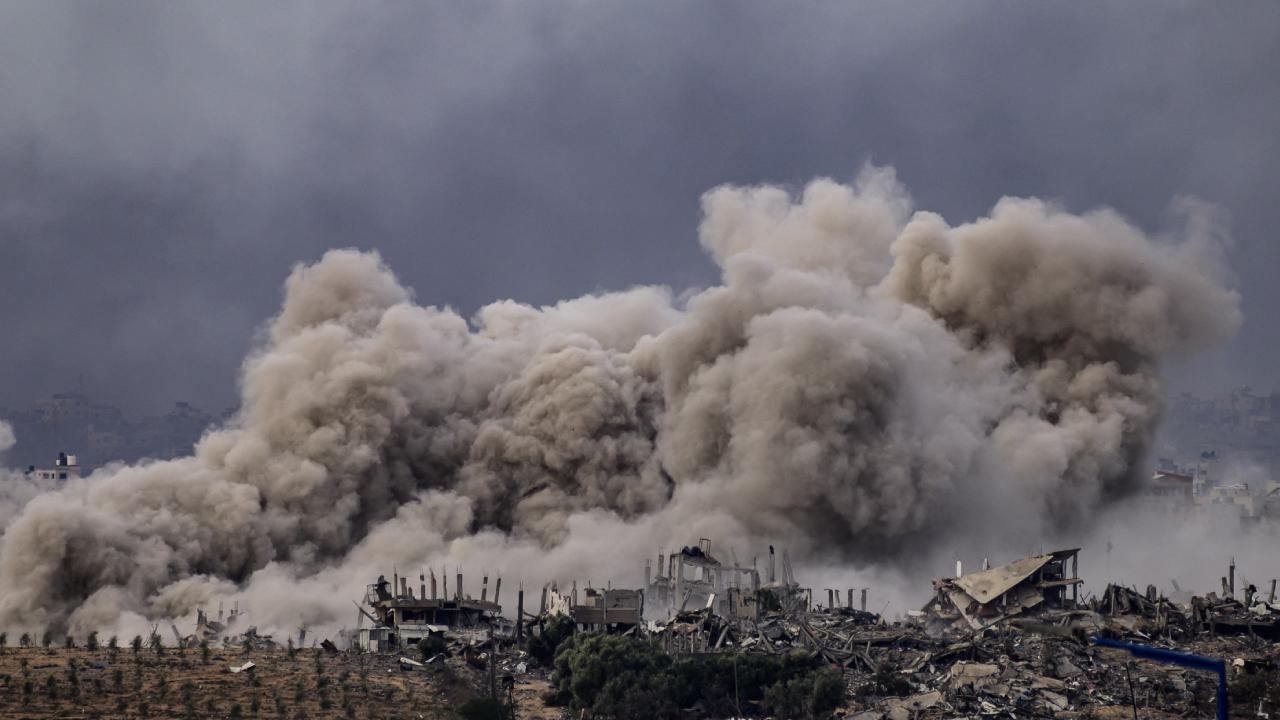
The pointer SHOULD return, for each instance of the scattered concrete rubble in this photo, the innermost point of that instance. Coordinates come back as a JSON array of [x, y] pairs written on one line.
[[1018, 640]]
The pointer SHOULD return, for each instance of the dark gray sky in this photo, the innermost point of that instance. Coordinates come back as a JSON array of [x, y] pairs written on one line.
[[162, 165]]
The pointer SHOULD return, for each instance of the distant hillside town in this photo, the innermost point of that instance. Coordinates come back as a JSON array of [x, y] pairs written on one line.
[[1221, 454], [71, 422]]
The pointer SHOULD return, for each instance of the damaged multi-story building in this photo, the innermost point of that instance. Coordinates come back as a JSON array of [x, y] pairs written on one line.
[[607, 610], [400, 619], [693, 579]]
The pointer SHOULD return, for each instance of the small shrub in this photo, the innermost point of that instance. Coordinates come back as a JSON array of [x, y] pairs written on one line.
[[432, 645], [91, 642], [483, 709], [46, 639]]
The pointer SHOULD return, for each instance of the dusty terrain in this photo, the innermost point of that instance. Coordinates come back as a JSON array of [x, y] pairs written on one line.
[[79, 683]]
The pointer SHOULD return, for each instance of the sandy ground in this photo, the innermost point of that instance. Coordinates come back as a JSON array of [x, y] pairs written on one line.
[[77, 683]]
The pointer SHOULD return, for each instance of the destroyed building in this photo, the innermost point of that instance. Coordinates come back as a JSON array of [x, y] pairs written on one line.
[[400, 619], [1017, 640], [981, 599], [693, 578], [606, 610]]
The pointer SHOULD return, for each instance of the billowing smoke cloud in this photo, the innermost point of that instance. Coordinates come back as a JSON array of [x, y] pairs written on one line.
[[863, 385]]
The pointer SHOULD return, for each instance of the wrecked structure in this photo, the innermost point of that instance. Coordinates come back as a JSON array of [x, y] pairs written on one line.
[[981, 599], [1017, 640], [693, 578], [401, 619], [605, 610]]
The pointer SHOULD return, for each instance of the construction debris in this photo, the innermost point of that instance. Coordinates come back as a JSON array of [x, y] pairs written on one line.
[[1017, 640]]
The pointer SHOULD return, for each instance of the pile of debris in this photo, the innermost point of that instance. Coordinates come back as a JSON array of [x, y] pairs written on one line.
[[1016, 640]]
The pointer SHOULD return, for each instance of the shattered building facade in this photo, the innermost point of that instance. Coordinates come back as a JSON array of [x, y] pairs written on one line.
[[400, 619], [693, 578], [981, 599], [608, 610]]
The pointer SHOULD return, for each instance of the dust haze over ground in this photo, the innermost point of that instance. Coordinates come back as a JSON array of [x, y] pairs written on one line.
[[868, 386]]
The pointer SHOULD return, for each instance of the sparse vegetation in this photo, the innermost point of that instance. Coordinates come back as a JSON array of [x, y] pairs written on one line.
[[69, 683], [432, 645]]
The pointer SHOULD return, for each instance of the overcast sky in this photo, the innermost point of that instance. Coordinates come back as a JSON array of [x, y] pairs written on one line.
[[162, 165]]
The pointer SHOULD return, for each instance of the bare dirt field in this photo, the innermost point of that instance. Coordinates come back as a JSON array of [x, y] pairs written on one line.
[[79, 683]]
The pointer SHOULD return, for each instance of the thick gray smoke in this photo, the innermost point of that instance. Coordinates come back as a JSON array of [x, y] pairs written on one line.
[[863, 385]]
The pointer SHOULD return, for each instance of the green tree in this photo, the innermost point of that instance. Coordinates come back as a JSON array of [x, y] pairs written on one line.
[[814, 695], [627, 679], [555, 631], [614, 676]]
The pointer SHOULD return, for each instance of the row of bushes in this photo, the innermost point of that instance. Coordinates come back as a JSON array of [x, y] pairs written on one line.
[[624, 678]]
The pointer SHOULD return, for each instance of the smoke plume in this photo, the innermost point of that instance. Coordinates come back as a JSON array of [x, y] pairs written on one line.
[[864, 384]]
